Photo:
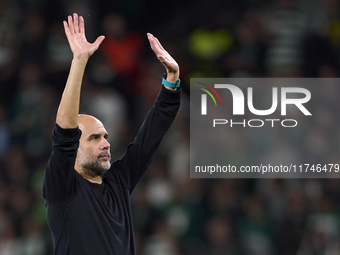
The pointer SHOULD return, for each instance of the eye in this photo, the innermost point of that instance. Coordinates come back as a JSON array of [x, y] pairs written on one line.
[[94, 137]]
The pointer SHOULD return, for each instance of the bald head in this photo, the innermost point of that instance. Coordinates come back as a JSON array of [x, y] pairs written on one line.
[[85, 121]]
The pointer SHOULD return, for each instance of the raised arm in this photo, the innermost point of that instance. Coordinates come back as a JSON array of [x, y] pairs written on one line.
[[164, 57], [67, 115], [134, 162]]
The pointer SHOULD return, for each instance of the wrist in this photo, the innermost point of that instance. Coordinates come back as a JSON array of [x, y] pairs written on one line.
[[172, 77], [80, 59], [170, 85]]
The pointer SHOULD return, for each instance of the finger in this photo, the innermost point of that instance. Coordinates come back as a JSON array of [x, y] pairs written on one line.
[[154, 46], [99, 40], [156, 41], [150, 36], [159, 44], [75, 20], [150, 40], [70, 25], [66, 28], [162, 55], [82, 25]]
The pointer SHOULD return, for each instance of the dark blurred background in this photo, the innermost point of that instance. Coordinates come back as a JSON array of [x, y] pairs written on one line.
[[173, 214]]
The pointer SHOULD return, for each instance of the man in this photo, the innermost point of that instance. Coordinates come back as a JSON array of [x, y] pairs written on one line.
[[87, 197]]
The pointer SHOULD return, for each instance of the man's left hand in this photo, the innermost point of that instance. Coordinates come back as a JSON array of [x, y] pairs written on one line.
[[164, 57]]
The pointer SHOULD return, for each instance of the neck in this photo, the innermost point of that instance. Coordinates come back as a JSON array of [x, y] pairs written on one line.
[[96, 179]]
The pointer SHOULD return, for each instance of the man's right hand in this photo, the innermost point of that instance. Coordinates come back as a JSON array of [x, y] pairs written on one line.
[[67, 115], [75, 32]]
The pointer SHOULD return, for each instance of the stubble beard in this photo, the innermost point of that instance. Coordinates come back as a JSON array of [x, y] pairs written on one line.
[[92, 166]]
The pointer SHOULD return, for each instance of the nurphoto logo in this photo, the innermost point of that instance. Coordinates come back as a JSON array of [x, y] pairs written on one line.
[[264, 127], [238, 104]]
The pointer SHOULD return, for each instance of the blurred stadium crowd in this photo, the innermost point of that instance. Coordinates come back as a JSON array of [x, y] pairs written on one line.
[[173, 214]]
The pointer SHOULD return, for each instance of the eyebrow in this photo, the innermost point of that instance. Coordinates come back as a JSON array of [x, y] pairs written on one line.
[[106, 135]]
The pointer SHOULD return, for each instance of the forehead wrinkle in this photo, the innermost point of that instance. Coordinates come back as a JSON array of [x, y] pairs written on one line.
[[94, 130], [99, 134], [90, 125]]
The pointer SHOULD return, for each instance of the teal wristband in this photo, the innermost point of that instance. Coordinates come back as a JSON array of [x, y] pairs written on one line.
[[171, 84]]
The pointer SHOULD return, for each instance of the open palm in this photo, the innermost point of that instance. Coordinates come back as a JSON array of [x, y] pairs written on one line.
[[75, 32], [163, 56]]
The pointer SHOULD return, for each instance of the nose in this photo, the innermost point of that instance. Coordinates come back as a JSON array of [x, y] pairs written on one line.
[[105, 145]]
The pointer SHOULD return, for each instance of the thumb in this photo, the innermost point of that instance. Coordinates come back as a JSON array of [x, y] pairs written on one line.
[[161, 58], [164, 61], [99, 40]]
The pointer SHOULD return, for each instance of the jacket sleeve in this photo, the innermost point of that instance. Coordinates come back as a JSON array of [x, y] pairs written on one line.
[[60, 177], [139, 154]]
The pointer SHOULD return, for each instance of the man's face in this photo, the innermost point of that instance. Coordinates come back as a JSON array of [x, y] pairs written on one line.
[[94, 150]]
